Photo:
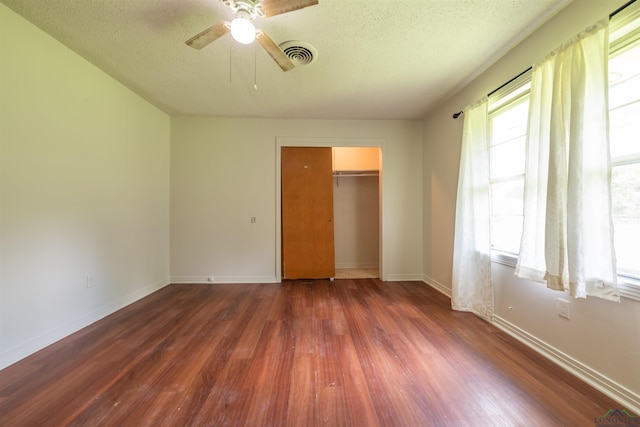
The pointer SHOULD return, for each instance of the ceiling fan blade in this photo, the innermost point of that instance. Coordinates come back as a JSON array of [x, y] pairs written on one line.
[[207, 36], [277, 7], [274, 51]]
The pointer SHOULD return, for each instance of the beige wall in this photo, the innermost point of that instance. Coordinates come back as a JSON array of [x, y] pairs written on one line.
[[224, 171], [84, 192], [356, 221], [602, 338]]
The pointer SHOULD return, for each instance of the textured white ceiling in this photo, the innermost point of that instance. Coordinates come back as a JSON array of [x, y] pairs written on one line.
[[377, 59]]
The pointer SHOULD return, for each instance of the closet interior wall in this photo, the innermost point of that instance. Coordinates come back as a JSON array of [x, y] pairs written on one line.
[[356, 201]]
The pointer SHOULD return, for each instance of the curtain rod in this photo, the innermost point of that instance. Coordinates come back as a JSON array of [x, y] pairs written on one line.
[[611, 15]]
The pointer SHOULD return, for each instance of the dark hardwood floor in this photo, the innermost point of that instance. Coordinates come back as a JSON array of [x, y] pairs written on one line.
[[303, 353]]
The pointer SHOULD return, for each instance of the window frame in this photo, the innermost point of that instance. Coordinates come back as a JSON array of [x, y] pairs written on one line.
[[621, 39], [509, 97]]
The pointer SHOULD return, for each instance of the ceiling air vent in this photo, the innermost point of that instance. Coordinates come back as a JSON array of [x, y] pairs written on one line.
[[300, 53]]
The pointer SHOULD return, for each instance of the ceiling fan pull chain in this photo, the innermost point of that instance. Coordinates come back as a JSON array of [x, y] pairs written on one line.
[[255, 68], [230, 73]]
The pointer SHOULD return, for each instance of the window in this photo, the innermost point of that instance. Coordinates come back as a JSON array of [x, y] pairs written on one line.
[[624, 115], [508, 133], [508, 115]]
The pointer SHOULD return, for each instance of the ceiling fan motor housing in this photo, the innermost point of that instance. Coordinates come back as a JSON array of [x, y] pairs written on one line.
[[253, 9]]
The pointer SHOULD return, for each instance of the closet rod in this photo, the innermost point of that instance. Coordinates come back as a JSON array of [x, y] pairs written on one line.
[[611, 15]]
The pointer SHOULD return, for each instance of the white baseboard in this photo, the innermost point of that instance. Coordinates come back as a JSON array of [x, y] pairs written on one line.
[[355, 265], [437, 286], [222, 279], [20, 352], [627, 398], [403, 277]]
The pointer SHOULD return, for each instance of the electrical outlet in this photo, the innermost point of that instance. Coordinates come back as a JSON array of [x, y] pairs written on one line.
[[210, 279], [253, 220], [564, 308], [89, 282]]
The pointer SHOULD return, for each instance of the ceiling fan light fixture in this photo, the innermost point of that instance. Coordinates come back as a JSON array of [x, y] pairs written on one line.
[[242, 29]]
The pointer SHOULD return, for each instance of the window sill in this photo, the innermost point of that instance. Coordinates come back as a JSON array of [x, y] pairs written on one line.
[[504, 258], [627, 286]]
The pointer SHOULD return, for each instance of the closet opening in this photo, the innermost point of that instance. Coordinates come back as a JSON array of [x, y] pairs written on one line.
[[356, 207]]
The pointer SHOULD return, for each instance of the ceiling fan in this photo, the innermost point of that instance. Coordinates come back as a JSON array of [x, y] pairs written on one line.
[[243, 30]]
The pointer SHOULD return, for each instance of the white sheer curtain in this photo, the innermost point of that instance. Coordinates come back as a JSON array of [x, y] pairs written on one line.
[[471, 287], [567, 240]]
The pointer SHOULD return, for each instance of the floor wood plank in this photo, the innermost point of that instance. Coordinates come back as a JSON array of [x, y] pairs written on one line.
[[302, 353]]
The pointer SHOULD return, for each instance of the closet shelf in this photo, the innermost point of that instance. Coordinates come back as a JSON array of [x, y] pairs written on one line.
[[356, 173]]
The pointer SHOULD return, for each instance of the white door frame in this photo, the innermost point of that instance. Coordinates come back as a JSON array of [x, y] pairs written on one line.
[[324, 142]]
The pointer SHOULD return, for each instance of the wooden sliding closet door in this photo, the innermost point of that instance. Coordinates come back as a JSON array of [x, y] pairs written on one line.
[[307, 213]]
